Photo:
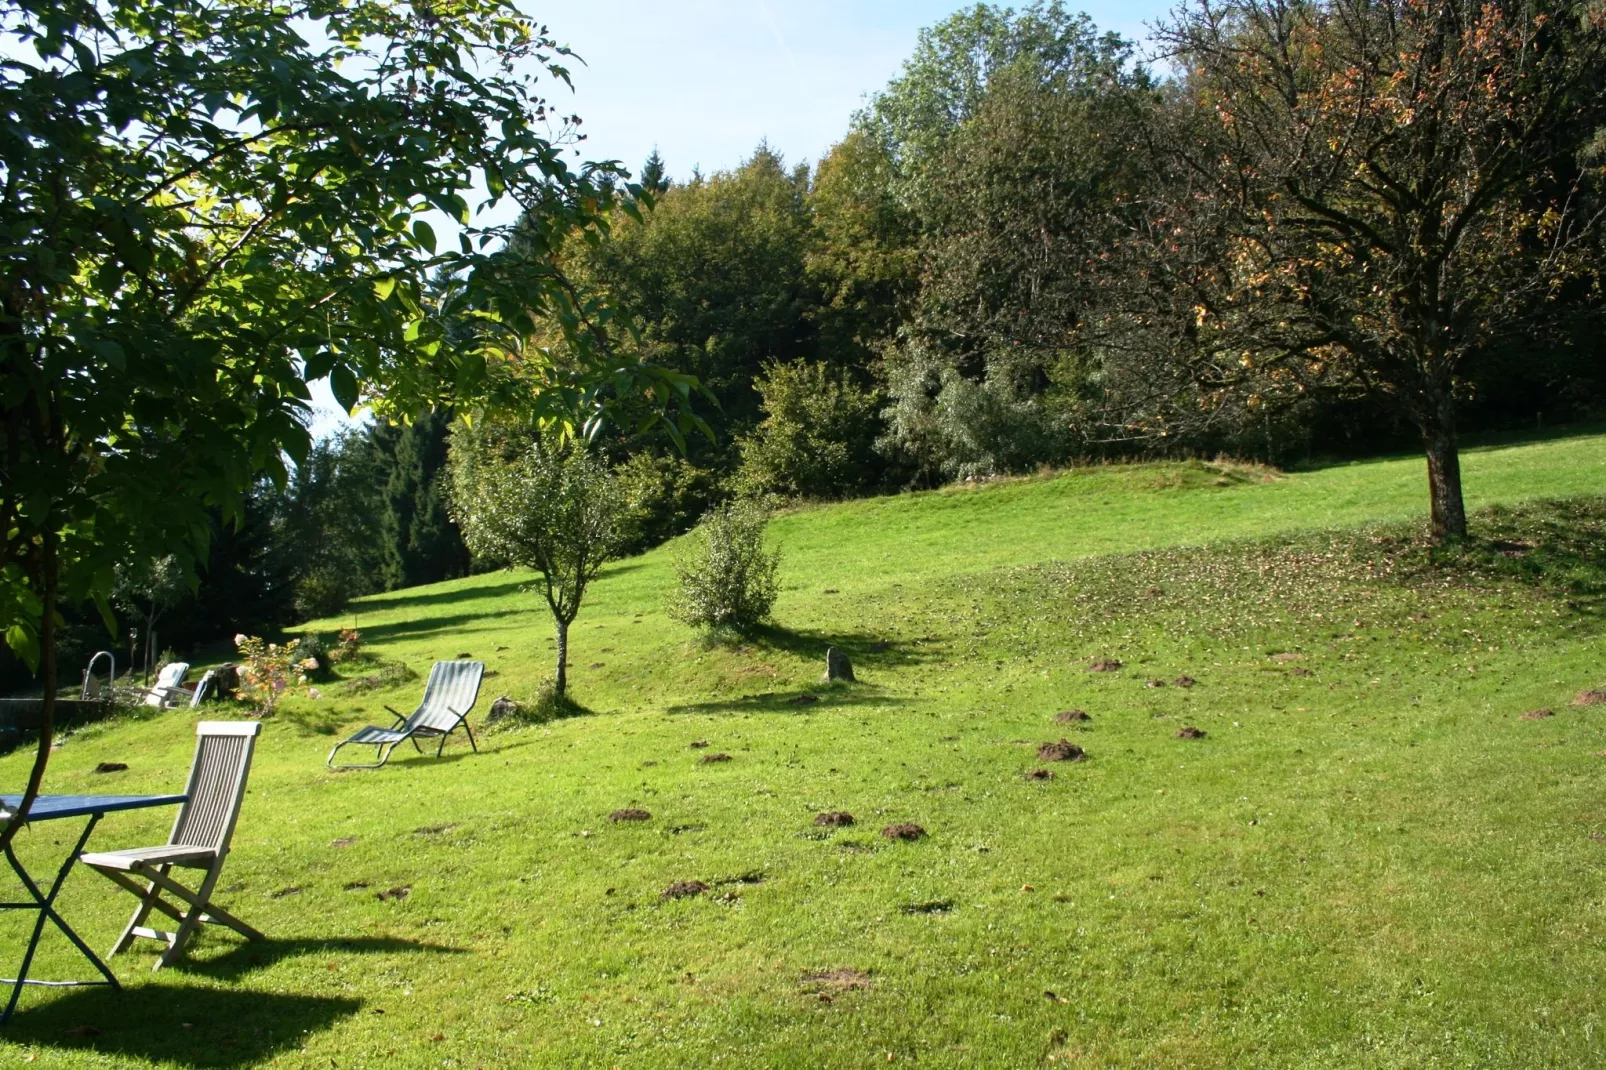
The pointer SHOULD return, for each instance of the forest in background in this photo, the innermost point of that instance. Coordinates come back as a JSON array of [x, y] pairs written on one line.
[[1029, 250]]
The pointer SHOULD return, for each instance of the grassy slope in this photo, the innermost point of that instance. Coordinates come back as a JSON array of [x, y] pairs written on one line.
[[1378, 863]]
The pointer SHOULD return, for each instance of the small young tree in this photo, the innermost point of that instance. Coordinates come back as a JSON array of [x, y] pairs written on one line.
[[558, 512], [727, 577], [148, 589]]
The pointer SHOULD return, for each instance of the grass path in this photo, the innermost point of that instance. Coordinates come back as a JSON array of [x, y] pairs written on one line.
[[1370, 859]]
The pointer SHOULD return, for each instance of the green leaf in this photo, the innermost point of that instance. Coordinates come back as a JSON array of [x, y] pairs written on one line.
[[343, 383], [384, 287], [424, 234]]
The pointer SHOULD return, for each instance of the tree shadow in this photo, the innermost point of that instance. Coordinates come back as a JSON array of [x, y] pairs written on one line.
[[413, 629], [861, 649], [178, 1025], [805, 701], [380, 603], [243, 958]]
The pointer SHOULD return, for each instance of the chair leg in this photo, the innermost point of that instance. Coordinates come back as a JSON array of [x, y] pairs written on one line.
[[141, 912], [192, 918], [471, 742]]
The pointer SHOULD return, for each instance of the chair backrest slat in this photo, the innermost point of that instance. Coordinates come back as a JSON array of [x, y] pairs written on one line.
[[217, 783], [453, 686]]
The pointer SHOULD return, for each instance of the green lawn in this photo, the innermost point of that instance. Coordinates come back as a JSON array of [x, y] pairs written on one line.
[[1370, 859]]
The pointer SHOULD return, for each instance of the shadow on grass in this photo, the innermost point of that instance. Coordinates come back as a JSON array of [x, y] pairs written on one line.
[[244, 958], [380, 603], [824, 697], [424, 626], [865, 651], [178, 1025]]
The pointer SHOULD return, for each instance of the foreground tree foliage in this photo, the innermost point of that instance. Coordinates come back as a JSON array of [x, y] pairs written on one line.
[[204, 204], [1360, 196], [555, 509]]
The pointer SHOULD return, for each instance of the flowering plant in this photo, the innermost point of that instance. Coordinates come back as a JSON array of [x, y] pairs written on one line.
[[268, 669], [350, 642]]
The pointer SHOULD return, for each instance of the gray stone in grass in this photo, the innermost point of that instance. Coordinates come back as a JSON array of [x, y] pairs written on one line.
[[502, 709], [837, 665]]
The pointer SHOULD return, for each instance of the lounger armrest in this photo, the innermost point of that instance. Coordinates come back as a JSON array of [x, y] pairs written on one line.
[[393, 713]]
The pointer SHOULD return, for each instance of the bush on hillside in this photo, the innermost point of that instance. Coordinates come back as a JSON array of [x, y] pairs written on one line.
[[664, 496], [818, 435], [727, 578]]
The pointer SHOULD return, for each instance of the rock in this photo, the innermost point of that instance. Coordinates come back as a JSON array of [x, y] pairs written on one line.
[[502, 709], [837, 666]]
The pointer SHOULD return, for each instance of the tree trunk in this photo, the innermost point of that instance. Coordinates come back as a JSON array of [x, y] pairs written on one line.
[[1444, 471], [563, 655], [47, 673]]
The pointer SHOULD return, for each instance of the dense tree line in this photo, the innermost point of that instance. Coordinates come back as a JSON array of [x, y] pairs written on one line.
[[1299, 229], [1310, 229]]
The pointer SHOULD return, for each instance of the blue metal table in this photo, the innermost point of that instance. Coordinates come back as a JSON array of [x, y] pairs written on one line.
[[52, 808]]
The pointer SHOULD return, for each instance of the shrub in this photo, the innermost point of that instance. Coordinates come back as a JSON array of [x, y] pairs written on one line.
[[818, 435], [727, 579], [315, 656], [664, 497], [349, 646], [267, 670]]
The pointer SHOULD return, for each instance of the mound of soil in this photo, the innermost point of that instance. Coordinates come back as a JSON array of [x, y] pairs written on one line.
[[1590, 698], [110, 767], [1063, 751], [1296, 671], [1155, 592], [596, 665], [399, 892], [804, 699], [1040, 774], [433, 830], [683, 890], [1538, 715], [344, 841], [880, 646], [835, 819], [1071, 716], [698, 744], [1104, 665], [904, 831], [1286, 655], [1191, 732], [630, 813], [707, 758], [1184, 681], [841, 979], [1154, 683]]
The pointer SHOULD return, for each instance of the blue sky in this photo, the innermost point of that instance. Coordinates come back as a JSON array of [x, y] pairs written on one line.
[[705, 80]]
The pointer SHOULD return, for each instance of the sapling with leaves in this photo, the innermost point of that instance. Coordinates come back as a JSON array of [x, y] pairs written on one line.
[[556, 509]]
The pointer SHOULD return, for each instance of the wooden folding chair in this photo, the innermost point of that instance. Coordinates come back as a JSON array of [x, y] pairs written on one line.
[[200, 840]]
